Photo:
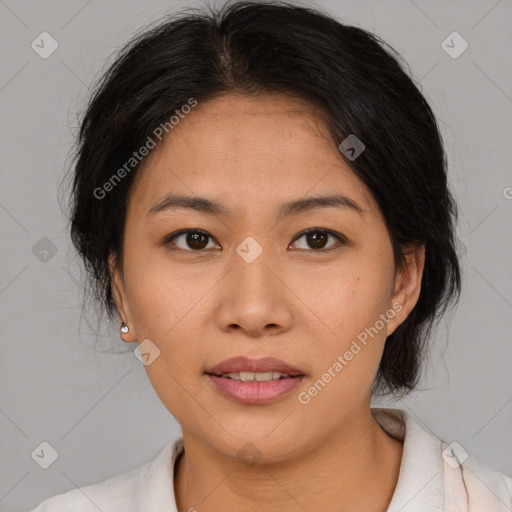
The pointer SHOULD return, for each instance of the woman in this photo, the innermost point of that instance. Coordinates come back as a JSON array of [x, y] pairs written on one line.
[[260, 196]]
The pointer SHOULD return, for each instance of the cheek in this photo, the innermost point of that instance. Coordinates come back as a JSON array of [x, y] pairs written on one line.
[[347, 361], [164, 311], [349, 297], [159, 295], [350, 302], [171, 343]]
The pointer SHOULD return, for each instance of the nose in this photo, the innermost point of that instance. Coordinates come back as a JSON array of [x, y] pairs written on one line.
[[254, 297]]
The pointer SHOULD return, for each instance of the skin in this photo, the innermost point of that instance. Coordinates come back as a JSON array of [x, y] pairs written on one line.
[[293, 302]]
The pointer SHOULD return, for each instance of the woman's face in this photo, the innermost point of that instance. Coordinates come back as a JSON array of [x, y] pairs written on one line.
[[251, 283]]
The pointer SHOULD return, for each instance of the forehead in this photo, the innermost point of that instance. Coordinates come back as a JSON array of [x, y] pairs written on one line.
[[240, 149]]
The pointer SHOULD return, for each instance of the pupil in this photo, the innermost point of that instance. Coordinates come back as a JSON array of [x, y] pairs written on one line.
[[197, 240], [313, 238]]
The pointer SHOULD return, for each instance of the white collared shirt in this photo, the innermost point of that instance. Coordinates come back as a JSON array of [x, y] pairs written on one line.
[[434, 476]]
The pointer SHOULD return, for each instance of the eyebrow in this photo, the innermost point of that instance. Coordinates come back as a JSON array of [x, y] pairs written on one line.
[[173, 201]]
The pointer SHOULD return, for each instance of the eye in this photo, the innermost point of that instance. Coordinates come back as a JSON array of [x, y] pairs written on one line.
[[195, 239], [317, 239]]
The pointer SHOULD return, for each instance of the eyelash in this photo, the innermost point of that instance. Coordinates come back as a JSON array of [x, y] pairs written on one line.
[[340, 238]]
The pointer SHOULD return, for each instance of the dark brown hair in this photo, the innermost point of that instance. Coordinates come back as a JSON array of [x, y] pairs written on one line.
[[255, 47]]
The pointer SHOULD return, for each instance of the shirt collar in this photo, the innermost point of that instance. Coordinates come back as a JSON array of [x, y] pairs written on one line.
[[420, 486]]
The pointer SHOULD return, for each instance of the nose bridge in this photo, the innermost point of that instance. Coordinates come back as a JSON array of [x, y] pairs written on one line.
[[254, 297], [252, 260]]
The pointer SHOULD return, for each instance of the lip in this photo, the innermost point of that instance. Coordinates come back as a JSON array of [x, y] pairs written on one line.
[[254, 392], [246, 364]]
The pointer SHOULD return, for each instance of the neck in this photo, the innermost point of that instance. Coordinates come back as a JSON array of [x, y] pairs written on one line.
[[355, 468]]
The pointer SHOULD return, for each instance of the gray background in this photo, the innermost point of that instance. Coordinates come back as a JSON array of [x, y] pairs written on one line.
[[98, 409]]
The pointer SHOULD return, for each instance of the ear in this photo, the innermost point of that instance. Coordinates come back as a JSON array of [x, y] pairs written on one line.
[[120, 298], [407, 285]]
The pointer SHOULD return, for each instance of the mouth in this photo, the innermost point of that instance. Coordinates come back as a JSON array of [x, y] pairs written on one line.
[[249, 369], [256, 376], [254, 381]]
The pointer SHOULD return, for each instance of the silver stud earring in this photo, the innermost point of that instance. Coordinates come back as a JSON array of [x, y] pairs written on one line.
[[124, 327]]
